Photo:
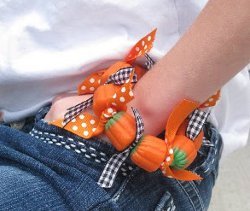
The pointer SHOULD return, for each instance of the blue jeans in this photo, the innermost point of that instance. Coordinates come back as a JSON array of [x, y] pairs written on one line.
[[49, 168]]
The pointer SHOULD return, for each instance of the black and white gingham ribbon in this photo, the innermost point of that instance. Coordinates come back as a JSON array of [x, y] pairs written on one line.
[[76, 110], [121, 76], [150, 62], [118, 78], [111, 169], [196, 122]]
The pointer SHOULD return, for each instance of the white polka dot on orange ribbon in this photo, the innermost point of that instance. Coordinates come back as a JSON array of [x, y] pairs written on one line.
[[91, 83], [83, 125], [211, 101], [87, 125], [143, 46]]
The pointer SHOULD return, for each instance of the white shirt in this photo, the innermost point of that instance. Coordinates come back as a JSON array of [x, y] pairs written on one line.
[[48, 47]]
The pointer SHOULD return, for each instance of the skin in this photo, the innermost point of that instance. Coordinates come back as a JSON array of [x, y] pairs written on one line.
[[210, 53]]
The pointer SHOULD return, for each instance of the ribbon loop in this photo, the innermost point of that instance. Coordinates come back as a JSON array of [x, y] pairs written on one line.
[[121, 76], [177, 117], [143, 46]]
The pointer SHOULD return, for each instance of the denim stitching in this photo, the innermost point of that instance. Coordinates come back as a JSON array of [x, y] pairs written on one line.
[[197, 194], [82, 149], [117, 195], [184, 190]]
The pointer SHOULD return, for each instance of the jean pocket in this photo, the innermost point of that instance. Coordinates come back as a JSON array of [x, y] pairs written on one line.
[[207, 160]]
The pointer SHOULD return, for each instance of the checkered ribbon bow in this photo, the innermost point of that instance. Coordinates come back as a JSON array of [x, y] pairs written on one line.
[[111, 169]]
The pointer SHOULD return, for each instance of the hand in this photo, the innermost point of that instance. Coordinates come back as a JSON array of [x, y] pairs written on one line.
[[61, 103]]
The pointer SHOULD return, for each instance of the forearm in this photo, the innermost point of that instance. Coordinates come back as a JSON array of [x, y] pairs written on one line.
[[211, 52]]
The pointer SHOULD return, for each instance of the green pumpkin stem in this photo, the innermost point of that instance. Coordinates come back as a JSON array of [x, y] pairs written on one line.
[[114, 119], [180, 159]]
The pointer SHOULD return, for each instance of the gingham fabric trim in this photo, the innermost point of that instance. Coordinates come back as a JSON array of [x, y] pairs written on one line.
[[111, 169], [150, 62], [76, 110], [121, 76], [196, 122]]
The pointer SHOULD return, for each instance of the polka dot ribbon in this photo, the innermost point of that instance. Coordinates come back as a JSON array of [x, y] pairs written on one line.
[[107, 100], [117, 74], [141, 48], [123, 76], [211, 101]]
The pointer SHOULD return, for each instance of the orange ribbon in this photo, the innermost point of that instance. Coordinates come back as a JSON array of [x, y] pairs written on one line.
[[105, 105], [174, 130], [143, 46], [108, 99]]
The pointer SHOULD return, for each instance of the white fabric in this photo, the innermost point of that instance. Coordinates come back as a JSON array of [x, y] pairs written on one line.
[[47, 47]]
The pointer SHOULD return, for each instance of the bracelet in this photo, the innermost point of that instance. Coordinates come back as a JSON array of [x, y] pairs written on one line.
[[112, 89]]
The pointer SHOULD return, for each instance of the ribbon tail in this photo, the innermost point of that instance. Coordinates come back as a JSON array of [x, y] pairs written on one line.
[[143, 46], [111, 169], [211, 101], [196, 122], [84, 125], [183, 175]]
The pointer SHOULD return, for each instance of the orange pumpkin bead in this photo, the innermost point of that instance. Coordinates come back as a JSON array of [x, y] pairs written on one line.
[[184, 152], [149, 153], [121, 129]]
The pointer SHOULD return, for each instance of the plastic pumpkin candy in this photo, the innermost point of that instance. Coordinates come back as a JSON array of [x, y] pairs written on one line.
[[121, 129], [149, 153], [184, 152]]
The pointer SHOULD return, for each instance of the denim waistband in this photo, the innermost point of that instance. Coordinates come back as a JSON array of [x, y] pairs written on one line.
[[94, 149], [94, 153]]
